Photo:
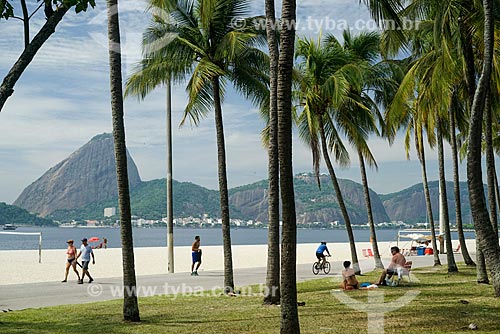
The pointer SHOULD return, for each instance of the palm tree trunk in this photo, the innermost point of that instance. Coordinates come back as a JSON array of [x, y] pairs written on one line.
[[224, 197], [272, 292], [289, 323], [490, 163], [450, 257], [420, 148], [170, 193], [130, 306], [456, 187], [487, 240], [497, 195], [340, 199], [481, 270], [373, 234], [29, 52]]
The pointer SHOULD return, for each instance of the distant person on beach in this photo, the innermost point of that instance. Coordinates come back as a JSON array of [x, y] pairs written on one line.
[[196, 256], [398, 261], [320, 252], [350, 281], [85, 252], [103, 243], [71, 260]]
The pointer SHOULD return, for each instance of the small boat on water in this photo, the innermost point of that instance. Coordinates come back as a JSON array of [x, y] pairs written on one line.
[[9, 227]]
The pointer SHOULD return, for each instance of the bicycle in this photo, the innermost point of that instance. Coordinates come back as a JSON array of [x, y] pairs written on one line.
[[318, 266]]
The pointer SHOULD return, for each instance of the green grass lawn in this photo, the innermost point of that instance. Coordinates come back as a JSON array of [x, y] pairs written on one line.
[[444, 304]]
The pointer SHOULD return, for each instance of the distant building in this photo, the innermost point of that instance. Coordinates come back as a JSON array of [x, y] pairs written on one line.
[[109, 212]]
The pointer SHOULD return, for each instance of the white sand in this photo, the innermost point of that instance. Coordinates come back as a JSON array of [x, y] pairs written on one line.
[[21, 266]]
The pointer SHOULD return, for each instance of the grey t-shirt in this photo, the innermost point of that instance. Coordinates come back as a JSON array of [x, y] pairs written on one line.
[[86, 250]]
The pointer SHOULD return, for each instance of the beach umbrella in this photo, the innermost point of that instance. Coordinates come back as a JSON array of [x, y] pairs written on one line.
[[93, 239]]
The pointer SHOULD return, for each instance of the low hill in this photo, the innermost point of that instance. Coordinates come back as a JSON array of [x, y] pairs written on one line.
[[11, 214]]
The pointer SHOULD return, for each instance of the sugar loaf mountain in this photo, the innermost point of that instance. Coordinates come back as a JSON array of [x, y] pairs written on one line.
[[82, 185]]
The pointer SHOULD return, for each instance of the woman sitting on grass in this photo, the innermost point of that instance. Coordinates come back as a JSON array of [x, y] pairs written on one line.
[[350, 281]]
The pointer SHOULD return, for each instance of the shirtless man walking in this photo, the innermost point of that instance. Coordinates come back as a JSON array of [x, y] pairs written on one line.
[[196, 256]]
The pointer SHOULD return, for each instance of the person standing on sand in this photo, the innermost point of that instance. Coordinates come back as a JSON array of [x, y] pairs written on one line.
[[71, 260], [85, 252], [196, 256]]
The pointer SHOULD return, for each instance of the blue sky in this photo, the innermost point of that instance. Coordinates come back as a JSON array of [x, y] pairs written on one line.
[[62, 101]]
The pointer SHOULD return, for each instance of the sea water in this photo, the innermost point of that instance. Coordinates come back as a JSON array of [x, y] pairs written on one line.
[[55, 238]]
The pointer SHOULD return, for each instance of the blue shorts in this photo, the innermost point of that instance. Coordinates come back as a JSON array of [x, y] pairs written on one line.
[[196, 256], [85, 265]]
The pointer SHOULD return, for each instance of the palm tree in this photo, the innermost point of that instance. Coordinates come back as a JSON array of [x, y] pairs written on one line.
[[452, 266], [403, 112], [130, 306], [324, 86], [487, 240], [170, 190], [289, 323], [377, 81], [149, 74], [200, 39], [456, 185], [272, 293]]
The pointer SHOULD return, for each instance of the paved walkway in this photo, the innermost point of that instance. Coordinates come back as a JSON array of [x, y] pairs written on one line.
[[35, 295]]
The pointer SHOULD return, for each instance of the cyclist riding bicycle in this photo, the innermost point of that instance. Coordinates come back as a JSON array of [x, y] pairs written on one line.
[[319, 253]]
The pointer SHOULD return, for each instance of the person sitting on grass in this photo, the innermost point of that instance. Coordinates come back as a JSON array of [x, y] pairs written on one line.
[[398, 261], [350, 281]]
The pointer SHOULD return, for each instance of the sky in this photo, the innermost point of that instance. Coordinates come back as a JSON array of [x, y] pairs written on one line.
[[62, 101]]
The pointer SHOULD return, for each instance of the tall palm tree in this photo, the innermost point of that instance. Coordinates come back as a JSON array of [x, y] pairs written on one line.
[[456, 185], [487, 240], [170, 188], [289, 323], [150, 73], [323, 89], [402, 112], [272, 293], [377, 81], [452, 266], [202, 41], [130, 306]]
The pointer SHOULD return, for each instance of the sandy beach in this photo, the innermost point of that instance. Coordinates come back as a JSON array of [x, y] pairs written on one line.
[[21, 266]]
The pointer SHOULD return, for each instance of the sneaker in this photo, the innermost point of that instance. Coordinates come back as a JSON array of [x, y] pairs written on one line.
[[195, 273], [80, 282], [63, 281], [91, 280], [192, 274]]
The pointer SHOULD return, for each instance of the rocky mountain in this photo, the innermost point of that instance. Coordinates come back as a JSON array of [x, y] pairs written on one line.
[[82, 185], [312, 203], [409, 204], [246, 202], [86, 176]]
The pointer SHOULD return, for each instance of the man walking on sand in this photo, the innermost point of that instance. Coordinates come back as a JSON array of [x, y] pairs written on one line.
[[196, 255], [85, 252]]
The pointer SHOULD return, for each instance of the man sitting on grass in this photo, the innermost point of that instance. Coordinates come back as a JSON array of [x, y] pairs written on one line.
[[397, 261]]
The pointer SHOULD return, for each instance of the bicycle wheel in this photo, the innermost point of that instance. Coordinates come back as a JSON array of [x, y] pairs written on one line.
[[315, 268], [326, 268]]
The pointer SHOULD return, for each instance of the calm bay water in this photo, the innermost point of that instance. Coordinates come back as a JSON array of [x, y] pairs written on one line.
[[55, 238]]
